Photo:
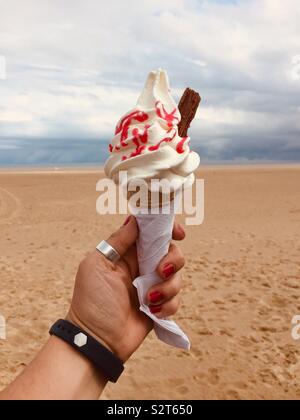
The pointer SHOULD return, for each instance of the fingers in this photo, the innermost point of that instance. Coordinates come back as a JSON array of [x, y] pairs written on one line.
[[124, 241], [171, 263], [130, 258], [167, 309], [165, 291], [163, 298], [178, 232], [125, 236]]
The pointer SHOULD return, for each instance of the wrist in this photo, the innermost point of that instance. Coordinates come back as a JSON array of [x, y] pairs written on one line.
[[83, 342], [73, 361], [57, 373], [74, 319], [115, 349]]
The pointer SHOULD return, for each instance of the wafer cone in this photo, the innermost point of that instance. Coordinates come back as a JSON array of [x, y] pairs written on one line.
[[163, 199]]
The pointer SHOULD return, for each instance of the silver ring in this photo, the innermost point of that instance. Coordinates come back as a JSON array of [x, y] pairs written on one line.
[[108, 251]]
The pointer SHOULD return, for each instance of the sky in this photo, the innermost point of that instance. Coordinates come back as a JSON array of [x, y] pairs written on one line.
[[73, 67]]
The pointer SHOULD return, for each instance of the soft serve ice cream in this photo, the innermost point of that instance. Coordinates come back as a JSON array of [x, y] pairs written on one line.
[[147, 144]]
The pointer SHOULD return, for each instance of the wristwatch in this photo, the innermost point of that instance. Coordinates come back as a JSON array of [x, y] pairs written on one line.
[[110, 365]]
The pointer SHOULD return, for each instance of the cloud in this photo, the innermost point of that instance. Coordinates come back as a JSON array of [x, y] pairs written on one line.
[[74, 67]]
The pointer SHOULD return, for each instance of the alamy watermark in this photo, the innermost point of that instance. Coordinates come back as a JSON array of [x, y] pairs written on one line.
[[296, 67], [296, 328], [2, 328], [2, 67], [155, 197]]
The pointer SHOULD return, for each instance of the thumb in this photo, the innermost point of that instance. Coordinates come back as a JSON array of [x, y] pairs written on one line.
[[125, 236]]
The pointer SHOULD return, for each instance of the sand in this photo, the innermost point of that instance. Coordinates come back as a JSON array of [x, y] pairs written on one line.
[[242, 281]]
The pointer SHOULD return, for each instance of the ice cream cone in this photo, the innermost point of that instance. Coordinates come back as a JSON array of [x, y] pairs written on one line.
[[151, 143], [163, 199]]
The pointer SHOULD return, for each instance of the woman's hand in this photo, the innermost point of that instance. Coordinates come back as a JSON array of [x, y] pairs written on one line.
[[105, 302], [105, 305]]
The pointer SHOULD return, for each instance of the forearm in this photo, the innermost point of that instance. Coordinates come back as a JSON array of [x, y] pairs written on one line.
[[57, 373]]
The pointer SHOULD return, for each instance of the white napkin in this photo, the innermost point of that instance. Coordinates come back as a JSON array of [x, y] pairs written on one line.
[[155, 234]]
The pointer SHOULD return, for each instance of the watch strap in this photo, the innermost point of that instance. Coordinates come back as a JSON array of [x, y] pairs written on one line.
[[99, 355]]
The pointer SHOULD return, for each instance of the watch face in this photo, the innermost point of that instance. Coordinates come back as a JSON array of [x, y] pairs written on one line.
[[80, 340]]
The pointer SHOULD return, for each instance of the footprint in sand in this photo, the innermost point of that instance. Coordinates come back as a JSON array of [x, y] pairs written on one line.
[[9, 205], [197, 353], [183, 390], [213, 377], [233, 395]]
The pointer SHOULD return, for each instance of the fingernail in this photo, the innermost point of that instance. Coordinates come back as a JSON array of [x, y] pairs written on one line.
[[168, 270], [155, 309], [155, 297], [181, 228], [127, 221]]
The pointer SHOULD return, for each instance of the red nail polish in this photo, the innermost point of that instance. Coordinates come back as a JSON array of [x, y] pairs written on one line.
[[181, 228], [127, 221], [155, 309], [169, 270], [155, 297]]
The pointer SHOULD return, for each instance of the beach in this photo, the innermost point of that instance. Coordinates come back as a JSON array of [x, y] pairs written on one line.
[[241, 281]]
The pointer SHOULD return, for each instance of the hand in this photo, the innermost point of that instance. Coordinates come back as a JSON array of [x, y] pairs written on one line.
[[105, 302], [105, 305]]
